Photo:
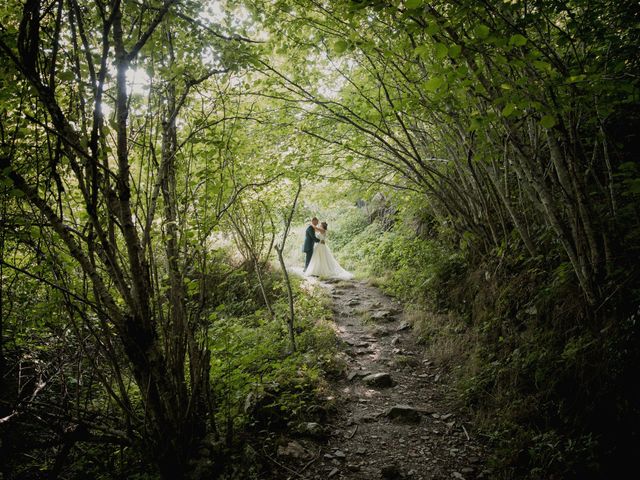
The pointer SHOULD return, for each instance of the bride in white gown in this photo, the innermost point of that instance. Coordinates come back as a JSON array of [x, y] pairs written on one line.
[[322, 263]]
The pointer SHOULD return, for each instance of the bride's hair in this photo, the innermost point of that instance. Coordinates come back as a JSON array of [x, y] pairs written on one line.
[[324, 225]]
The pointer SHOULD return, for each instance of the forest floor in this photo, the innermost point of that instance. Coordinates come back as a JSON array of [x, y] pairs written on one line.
[[395, 417]]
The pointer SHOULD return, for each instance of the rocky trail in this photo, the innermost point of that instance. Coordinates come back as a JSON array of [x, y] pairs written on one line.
[[395, 419]]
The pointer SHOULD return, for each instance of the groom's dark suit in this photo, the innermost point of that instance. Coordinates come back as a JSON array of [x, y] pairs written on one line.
[[309, 240]]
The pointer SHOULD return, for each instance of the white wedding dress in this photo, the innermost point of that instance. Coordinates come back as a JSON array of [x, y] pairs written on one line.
[[323, 264]]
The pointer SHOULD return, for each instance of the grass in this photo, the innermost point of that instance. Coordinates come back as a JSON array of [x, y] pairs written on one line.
[[447, 340], [365, 316], [402, 361]]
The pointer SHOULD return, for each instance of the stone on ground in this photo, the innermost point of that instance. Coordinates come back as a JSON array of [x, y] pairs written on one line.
[[391, 472], [403, 414], [378, 380], [293, 450], [312, 428], [403, 326], [381, 315], [358, 373]]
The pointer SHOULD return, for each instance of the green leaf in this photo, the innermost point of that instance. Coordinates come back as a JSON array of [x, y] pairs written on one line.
[[432, 28], [535, 105], [628, 168], [575, 78], [633, 186], [413, 4], [340, 46], [481, 31], [508, 109], [542, 66], [422, 50], [434, 83], [517, 40], [548, 121], [500, 60], [441, 51], [454, 51], [65, 76], [462, 70]]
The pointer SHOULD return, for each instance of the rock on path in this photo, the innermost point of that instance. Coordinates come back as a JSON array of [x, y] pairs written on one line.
[[395, 417]]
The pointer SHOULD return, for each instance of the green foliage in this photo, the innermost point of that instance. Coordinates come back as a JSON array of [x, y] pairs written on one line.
[[550, 400], [505, 136], [261, 385], [412, 268], [45, 346], [349, 223]]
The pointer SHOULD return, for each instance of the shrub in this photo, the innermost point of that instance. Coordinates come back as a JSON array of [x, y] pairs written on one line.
[[259, 382], [413, 269]]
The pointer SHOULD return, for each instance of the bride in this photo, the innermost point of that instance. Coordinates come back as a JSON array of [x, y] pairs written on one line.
[[322, 263]]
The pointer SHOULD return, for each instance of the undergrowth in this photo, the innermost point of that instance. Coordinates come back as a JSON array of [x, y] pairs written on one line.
[[263, 388], [260, 388], [252, 360]]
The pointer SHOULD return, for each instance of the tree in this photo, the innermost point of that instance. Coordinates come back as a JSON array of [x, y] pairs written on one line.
[[99, 189]]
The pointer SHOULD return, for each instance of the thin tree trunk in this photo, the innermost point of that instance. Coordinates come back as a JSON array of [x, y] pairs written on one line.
[[256, 262], [280, 250], [520, 228], [544, 197], [2, 234]]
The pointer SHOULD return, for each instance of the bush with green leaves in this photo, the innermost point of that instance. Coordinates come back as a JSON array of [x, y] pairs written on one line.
[[412, 268], [258, 381]]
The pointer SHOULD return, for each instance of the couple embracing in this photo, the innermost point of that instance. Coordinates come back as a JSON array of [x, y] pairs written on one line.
[[319, 260]]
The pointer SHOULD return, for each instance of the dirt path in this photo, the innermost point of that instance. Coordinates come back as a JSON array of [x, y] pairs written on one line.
[[394, 420]]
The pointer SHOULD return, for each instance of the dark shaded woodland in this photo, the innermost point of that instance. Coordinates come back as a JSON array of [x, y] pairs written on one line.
[[156, 156]]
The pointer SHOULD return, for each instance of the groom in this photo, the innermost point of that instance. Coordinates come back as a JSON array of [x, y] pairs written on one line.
[[309, 240]]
